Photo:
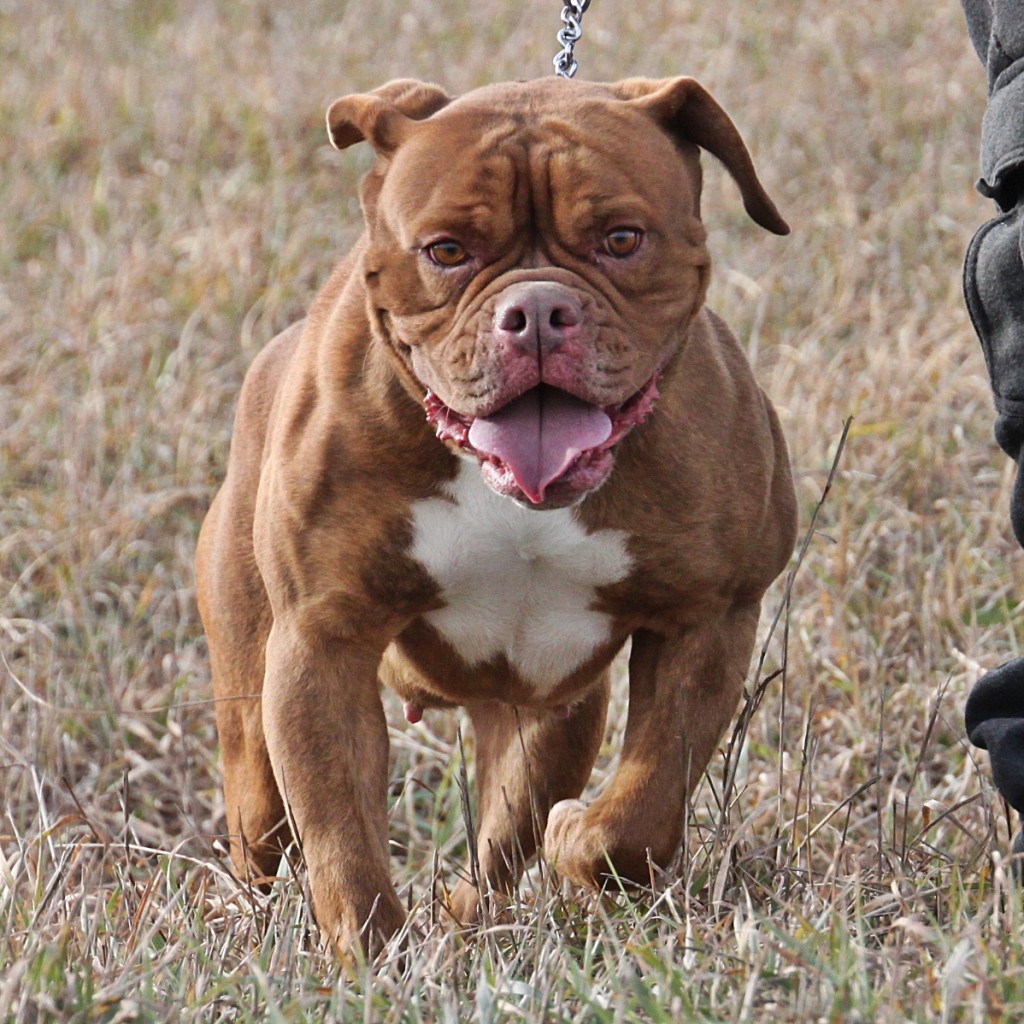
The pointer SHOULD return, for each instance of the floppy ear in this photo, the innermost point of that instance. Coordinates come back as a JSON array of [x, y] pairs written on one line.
[[685, 109], [384, 117]]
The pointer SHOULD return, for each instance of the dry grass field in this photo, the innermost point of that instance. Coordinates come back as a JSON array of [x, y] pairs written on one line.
[[168, 201]]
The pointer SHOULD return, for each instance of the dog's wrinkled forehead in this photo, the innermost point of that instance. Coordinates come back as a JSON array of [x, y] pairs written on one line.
[[481, 167]]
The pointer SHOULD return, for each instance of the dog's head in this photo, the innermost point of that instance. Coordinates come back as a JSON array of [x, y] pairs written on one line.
[[535, 255]]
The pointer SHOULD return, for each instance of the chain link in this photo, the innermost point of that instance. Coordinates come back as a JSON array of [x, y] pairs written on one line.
[[569, 36]]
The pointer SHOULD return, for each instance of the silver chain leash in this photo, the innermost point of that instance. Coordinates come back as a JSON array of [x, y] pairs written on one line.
[[569, 35]]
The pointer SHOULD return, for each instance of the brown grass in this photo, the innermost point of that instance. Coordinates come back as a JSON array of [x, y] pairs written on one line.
[[169, 202]]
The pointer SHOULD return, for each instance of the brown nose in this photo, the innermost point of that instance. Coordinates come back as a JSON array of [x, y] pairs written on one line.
[[536, 315]]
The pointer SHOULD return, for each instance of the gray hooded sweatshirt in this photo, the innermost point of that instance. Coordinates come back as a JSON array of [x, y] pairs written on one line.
[[994, 290]]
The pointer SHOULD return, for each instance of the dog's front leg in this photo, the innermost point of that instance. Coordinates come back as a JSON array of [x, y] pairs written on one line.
[[328, 744], [683, 691]]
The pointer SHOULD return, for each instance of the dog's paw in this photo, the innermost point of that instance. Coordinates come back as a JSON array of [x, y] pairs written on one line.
[[464, 904], [592, 846], [472, 910], [575, 848], [365, 935]]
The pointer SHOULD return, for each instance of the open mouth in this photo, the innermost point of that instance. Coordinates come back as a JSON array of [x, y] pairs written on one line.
[[546, 438]]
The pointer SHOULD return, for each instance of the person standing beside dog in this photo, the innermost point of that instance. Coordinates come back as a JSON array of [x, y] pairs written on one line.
[[994, 291]]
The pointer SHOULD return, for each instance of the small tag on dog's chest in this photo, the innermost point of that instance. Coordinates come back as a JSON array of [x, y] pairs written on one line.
[[516, 582]]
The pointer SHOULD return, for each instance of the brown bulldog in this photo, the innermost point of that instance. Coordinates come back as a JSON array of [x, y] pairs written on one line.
[[507, 438]]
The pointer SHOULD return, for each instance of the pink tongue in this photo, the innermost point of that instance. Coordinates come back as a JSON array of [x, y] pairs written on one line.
[[540, 435]]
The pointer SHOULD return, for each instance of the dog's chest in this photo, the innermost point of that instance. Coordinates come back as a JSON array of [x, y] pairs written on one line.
[[515, 582]]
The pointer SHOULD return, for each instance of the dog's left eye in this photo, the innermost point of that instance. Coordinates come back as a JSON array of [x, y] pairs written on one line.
[[622, 242], [447, 253]]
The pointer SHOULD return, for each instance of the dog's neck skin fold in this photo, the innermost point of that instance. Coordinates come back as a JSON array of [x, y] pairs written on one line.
[[362, 384]]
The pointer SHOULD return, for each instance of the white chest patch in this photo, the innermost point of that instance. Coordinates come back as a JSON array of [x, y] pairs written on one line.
[[516, 582]]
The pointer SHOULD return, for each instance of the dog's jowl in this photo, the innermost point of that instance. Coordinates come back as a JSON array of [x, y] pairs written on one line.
[[507, 437]]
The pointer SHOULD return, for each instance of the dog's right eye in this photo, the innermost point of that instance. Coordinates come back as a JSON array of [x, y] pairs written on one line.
[[622, 242], [447, 253]]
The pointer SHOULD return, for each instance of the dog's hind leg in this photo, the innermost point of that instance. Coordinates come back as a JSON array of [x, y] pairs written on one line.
[[236, 617], [526, 761], [257, 828]]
